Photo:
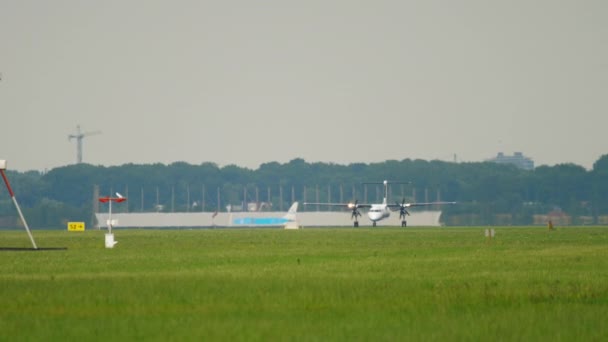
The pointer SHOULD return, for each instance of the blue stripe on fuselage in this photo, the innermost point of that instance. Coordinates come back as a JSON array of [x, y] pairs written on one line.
[[260, 221]]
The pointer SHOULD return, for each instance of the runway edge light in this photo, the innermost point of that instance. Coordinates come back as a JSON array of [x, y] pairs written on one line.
[[2, 164]]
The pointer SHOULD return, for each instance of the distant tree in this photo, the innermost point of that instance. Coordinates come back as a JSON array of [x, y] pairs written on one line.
[[601, 165], [487, 193]]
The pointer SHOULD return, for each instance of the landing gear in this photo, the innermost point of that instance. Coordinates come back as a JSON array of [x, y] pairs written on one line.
[[356, 224], [374, 223], [404, 223]]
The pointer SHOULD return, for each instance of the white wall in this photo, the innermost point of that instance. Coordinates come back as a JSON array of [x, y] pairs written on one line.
[[305, 219]]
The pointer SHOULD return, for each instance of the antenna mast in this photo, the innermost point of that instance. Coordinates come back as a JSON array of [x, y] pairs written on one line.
[[79, 136]]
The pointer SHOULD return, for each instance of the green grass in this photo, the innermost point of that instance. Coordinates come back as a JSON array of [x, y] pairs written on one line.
[[311, 284]]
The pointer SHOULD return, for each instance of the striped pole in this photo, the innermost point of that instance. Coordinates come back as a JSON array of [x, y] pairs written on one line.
[[10, 191]]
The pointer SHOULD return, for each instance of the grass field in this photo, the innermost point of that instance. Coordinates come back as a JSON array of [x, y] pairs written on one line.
[[310, 284]]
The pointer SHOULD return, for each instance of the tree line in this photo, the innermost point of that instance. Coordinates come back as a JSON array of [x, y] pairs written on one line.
[[487, 193]]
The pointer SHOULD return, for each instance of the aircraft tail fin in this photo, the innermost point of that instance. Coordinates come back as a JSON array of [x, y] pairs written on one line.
[[291, 213]]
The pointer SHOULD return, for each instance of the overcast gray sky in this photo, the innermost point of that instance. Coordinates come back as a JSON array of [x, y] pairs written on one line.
[[249, 82]]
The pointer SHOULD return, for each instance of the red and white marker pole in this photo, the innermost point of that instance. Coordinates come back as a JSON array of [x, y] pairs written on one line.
[[10, 191], [109, 236]]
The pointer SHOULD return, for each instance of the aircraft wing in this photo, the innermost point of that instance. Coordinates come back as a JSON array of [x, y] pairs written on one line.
[[344, 205], [419, 204]]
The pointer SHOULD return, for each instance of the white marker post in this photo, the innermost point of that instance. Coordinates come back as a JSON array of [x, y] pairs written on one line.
[[109, 236], [10, 191], [490, 234]]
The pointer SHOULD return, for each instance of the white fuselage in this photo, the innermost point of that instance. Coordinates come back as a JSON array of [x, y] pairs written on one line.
[[378, 212]]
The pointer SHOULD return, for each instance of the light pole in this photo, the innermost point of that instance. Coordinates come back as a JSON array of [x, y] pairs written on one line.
[[109, 236]]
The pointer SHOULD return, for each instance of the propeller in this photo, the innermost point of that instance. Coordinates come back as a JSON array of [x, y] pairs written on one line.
[[355, 210], [402, 211]]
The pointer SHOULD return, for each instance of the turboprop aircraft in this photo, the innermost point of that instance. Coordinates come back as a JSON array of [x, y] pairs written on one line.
[[380, 211], [287, 220]]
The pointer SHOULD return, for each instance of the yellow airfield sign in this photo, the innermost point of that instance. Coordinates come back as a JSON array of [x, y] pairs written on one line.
[[76, 226]]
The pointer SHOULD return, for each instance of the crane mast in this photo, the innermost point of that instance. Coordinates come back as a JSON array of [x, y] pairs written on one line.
[[79, 136]]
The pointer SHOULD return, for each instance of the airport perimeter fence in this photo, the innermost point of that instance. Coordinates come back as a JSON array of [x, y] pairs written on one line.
[[236, 198]]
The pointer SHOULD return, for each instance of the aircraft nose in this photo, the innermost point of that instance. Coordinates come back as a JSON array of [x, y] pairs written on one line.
[[373, 215]]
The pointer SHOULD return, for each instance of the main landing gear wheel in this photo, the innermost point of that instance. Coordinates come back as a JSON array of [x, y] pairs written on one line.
[[374, 224], [404, 223], [356, 224]]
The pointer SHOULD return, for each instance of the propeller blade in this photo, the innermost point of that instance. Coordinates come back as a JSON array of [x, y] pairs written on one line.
[[355, 210], [402, 210]]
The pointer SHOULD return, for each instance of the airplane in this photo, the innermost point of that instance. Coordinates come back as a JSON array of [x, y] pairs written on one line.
[[380, 211], [288, 220]]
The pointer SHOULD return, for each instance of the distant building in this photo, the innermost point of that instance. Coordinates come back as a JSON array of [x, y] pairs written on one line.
[[517, 159], [556, 217]]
